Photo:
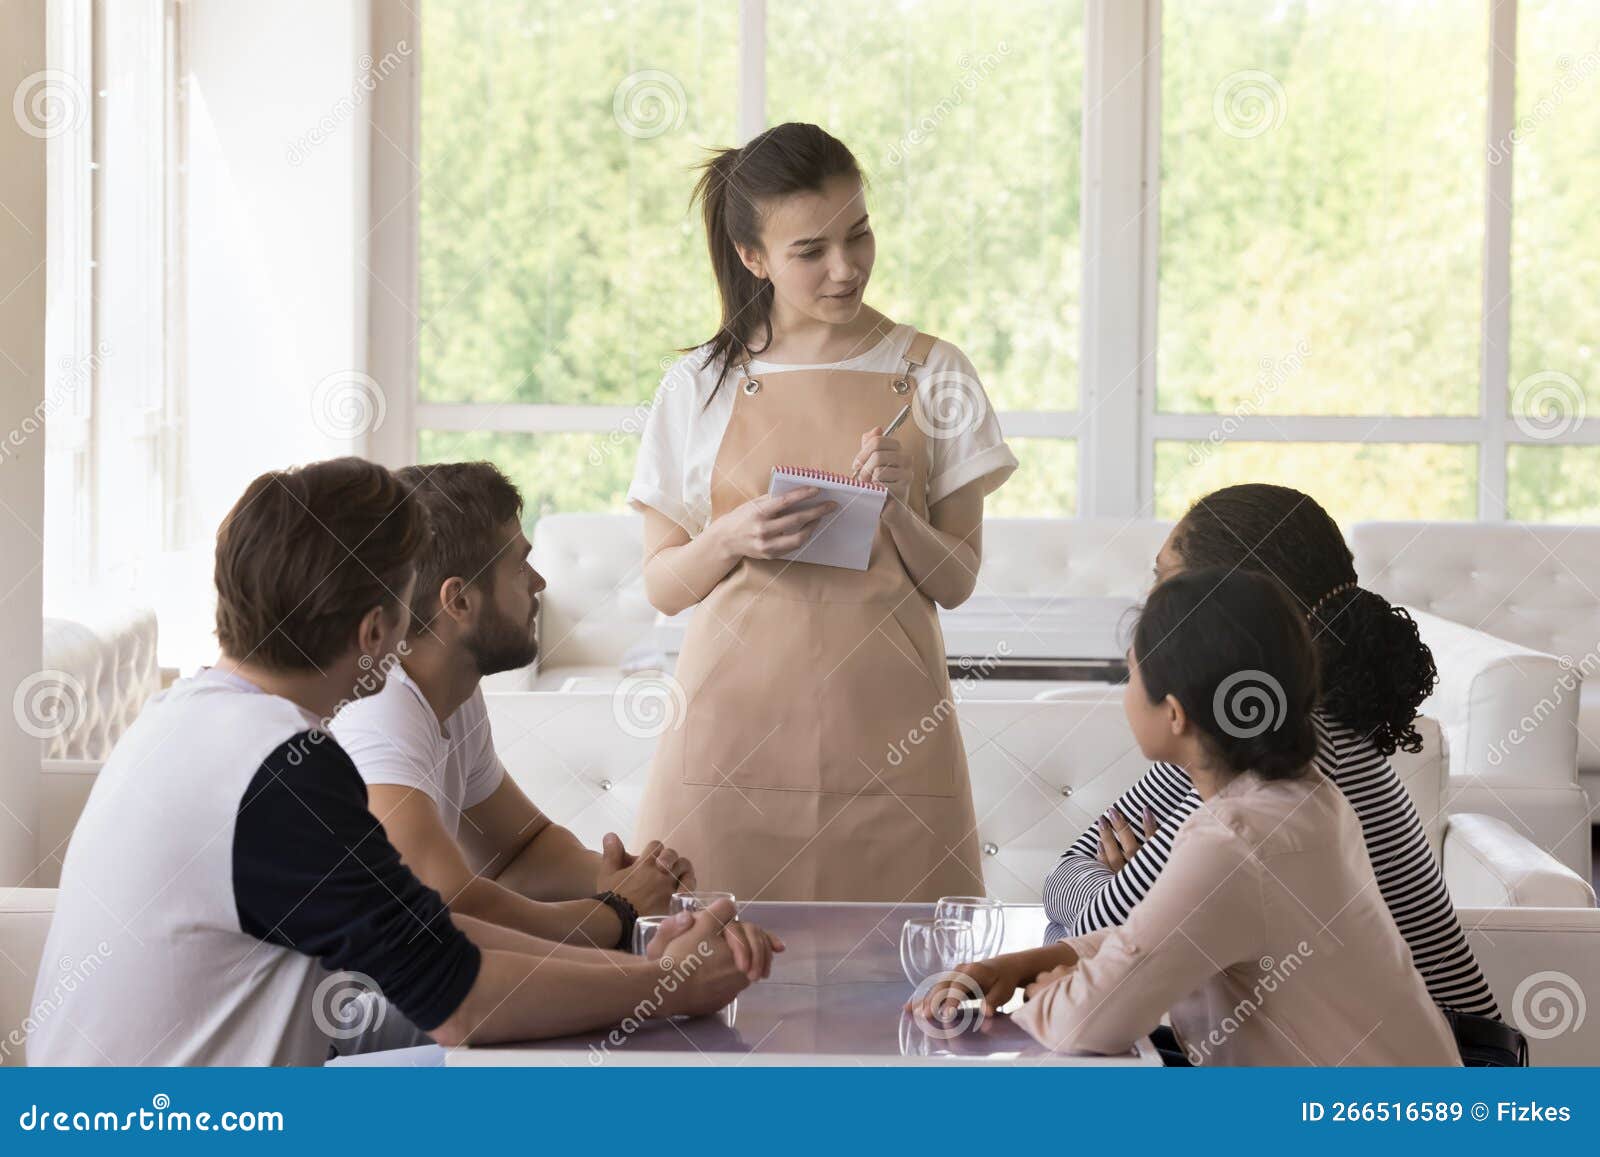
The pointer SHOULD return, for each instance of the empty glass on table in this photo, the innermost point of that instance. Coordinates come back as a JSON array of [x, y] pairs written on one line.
[[930, 945], [987, 918], [696, 901]]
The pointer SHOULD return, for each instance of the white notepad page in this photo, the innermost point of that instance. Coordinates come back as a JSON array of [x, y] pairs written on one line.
[[843, 538]]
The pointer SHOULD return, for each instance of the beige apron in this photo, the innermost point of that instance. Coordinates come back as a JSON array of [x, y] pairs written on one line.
[[819, 757]]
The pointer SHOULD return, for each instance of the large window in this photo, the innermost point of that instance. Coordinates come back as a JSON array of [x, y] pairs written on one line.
[[1321, 239], [108, 109], [559, 266], [1347, 246], [1555, 259]]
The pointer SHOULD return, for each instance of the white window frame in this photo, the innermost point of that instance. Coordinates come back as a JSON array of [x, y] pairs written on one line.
[[1118, 425], [90, 515]]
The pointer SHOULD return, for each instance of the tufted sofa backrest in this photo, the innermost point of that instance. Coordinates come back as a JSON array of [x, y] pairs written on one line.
[[99, 668], [595, 608], [1041, 770], [1533, 585], [1082, 557]]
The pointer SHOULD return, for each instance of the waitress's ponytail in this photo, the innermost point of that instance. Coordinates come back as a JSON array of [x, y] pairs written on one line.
[[733, 185]]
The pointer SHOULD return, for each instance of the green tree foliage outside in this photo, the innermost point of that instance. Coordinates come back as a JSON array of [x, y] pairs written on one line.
[[1321, 190]]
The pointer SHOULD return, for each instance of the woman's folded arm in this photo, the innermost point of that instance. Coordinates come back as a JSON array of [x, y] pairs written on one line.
[[1081, 894], [1200, 916]]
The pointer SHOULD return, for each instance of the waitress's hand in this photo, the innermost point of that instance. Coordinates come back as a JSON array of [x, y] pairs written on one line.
[[884, 461], [769, 527]]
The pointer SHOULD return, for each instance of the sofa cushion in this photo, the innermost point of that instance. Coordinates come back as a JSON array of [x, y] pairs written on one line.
[[1533, 585], [24, 923], [99, 668]]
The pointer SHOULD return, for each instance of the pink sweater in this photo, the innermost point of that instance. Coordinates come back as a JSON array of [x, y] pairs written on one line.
[[1267, 940]]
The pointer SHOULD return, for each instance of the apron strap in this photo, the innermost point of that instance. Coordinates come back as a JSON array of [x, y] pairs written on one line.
[[917, 352]]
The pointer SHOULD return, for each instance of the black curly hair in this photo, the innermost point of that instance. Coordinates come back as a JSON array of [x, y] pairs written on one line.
[[1376, 670]]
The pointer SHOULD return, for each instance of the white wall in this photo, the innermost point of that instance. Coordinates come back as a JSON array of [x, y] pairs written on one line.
[[278, 126], [22, 372]]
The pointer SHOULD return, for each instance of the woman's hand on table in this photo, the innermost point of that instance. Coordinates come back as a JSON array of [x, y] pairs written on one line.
[[1119, 842], [884, 461], [770, 527], [1045, 979], [993, 982]]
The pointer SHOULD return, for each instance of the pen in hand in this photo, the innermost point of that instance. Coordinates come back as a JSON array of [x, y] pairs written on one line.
[[895, 424]]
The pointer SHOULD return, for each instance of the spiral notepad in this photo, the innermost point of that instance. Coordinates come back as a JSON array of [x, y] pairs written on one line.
[[843, 538]]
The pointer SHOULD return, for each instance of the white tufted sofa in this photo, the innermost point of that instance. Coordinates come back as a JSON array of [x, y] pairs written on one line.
[[100, 661], [1538, 586], [595, 608], [1041, 772]]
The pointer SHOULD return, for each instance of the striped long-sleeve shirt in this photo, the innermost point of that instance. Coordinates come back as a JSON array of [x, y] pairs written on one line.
[[1082, 894]]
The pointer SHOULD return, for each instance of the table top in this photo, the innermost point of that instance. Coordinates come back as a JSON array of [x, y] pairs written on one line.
[[835, 997]]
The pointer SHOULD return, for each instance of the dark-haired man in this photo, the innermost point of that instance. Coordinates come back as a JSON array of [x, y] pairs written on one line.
[[424, 748], [226, 861]]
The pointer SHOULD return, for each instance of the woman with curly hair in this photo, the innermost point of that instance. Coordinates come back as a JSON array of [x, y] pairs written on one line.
[[1375, 672]]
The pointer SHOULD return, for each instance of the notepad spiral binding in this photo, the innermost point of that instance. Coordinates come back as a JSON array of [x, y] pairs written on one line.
[[828, 476]]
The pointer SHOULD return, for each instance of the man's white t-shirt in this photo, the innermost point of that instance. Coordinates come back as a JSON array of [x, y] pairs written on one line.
[[688, 420], [394, 737]]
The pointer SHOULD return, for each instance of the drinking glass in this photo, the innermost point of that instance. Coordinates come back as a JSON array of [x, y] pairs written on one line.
[[930, 945], [695, 901], [987, 917], [644, 930]]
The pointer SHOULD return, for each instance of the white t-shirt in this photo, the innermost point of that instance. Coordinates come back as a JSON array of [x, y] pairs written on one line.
[[394, 738], [683, 433]]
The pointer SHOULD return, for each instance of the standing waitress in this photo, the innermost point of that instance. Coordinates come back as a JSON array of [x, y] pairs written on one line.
[[819, 757]]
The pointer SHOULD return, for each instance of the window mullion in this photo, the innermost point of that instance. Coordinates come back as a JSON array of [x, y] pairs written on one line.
[[1116, 59], [752, 118], [1495, 361]]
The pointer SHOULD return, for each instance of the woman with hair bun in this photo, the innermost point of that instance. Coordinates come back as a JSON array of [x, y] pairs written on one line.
[[1375, 673]]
